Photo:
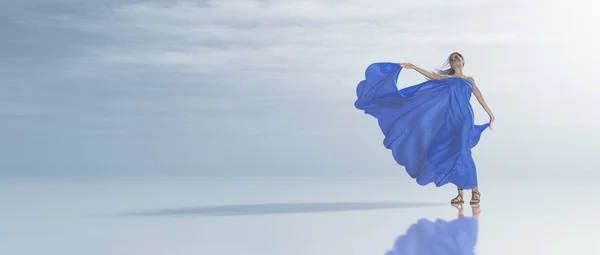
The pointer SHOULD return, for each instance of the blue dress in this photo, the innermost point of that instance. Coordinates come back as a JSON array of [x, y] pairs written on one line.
[[438, 237], [429, 127]]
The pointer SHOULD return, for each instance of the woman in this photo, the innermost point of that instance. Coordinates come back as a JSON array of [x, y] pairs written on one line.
[[429, 127]]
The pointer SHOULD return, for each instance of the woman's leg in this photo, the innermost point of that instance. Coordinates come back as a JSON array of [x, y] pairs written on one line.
[[461, 212], [458, 199], [476, 211], [475, 194]]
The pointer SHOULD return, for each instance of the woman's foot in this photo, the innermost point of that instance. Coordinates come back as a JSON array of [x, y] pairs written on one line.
[[475, 197], [458, 199]]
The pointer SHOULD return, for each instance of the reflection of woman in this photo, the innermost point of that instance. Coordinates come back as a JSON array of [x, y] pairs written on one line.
[[440, 237]]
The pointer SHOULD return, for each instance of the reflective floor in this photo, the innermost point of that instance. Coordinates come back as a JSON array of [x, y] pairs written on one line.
[[295, 216]]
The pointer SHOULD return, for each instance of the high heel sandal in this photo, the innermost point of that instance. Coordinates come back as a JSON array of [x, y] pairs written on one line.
[[458, 199], [473, 199]]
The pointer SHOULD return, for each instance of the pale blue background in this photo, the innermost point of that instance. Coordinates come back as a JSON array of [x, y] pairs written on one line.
[[109, 108], [154, 88]]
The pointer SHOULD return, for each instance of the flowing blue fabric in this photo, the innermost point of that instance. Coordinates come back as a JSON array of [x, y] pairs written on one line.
[[438, 238], [429, 127]]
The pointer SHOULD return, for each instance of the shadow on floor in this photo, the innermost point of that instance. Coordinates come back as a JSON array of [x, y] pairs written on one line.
[[278, 208]]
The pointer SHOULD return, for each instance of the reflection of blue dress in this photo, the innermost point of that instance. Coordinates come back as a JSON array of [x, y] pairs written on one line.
[[429, 127], [425, 237]]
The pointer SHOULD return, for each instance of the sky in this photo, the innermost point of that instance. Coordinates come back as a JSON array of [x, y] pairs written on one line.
[[247, 88]]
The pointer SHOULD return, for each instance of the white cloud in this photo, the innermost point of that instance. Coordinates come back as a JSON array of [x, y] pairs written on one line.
[[293, 36], [208, 78]]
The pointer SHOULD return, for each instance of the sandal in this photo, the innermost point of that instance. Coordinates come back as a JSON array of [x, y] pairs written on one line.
[[475, 197], [458, 199]]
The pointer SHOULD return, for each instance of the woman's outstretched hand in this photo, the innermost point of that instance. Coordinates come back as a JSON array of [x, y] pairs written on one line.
[[492, 119], [407, 65]]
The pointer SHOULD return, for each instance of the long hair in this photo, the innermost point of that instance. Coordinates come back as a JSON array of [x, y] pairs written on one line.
[[446, 68]]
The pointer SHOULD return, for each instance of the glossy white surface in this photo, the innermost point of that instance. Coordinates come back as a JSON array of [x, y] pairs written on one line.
[[292, 216]]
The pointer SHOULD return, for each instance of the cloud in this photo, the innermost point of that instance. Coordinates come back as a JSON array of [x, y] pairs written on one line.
[[252, 37], [248, 34], [133, 58], [198, 83]]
